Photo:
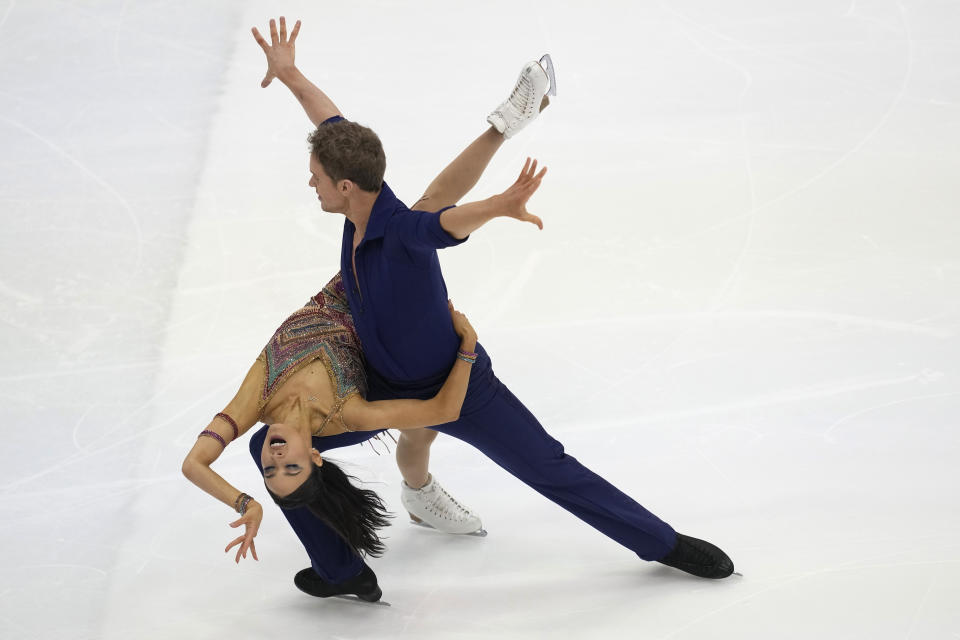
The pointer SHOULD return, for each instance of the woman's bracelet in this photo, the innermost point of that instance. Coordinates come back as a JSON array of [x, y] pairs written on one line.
[[240, 504], [467, 356], [233, 423], [216, 436]]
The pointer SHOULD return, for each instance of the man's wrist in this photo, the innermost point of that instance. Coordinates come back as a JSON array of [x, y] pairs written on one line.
[[288, 74], [496, 206]]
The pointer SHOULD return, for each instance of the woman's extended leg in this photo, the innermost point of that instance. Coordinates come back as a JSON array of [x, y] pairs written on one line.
[[413, 456], [462, 174]]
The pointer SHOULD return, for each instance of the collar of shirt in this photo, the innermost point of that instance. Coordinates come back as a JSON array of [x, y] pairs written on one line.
[[383, 207]]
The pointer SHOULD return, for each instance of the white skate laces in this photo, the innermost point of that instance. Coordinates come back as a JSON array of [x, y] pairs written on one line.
[[433, 507], [536, 80]]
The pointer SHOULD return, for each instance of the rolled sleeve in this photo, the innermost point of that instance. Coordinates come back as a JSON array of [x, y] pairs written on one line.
[[422, 230]]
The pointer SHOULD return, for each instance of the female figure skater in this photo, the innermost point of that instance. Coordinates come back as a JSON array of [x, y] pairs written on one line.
[[308, 386]]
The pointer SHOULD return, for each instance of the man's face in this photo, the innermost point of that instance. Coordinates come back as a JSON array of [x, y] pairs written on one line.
[[331, 198]]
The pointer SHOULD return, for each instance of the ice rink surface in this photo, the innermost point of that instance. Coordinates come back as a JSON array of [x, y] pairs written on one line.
[[743, 310]]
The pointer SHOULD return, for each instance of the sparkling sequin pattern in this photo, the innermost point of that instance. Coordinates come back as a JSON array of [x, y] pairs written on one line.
[[322, 329]]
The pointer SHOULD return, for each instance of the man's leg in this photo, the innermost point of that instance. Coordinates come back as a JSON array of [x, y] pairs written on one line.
[[506, 432]]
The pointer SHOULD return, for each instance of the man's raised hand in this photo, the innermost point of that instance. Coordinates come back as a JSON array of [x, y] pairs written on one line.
[[513, 201], [279, 51]]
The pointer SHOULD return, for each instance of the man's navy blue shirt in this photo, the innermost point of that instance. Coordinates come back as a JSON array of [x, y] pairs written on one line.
[[398, 297]]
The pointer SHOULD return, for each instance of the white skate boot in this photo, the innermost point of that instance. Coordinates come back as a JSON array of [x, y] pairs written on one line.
[[431, 506], [537, 79]]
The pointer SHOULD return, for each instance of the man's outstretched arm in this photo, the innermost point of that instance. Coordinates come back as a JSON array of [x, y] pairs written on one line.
[[461, 221], [280, 64]]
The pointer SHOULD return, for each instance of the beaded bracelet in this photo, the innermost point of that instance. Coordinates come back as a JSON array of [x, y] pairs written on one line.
[[240, 504], [216, 436], [466, 356], [233, 423]]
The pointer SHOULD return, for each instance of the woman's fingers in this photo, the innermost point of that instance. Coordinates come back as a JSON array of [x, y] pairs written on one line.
[[283, 29], [296, 30], [234, 543]]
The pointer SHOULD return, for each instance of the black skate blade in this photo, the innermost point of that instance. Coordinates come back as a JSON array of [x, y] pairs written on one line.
[[358, 600], [547, 63], [479, 533]]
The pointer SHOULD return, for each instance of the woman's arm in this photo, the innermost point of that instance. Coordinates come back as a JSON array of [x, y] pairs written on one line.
[[361, 415], [280, 54], [196, 466]]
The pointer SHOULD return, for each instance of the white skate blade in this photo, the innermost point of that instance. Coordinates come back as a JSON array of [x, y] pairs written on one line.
[[356, 600], [479, 533], [547, 63]]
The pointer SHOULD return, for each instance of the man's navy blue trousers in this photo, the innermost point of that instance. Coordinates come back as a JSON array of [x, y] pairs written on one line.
[[494, 421]]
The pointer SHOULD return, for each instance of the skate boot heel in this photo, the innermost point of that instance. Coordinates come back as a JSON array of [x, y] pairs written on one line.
[[433, 507], [547, 63], [363, 586], [529, 96]]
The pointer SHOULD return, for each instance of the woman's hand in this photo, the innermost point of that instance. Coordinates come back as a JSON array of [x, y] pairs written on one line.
[[280, 53], [251, 520], [461, 325]]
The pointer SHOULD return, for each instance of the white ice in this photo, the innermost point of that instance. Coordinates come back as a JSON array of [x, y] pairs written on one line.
[[743, 310]]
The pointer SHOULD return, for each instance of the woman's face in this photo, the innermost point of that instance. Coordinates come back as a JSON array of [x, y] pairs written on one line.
[[286, 458]]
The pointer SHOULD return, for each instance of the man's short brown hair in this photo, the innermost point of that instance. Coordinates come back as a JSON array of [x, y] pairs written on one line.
[[350, 151]]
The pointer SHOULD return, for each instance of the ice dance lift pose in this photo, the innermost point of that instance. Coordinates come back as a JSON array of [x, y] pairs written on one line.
[[384, 333]]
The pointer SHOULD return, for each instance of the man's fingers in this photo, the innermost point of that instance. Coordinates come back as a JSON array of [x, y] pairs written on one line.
[[253, 550], [283, 29], [542, 173], [273, 32], [525, 166], [296, 30], [260, 40], [535, 220], [533, 168], [267, 79]]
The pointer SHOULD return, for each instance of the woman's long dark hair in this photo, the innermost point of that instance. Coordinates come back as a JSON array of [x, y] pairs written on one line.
[[354, 514]]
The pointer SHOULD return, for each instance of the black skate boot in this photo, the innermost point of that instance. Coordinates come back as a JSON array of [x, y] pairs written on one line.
[[364, 585], [699, 558]]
